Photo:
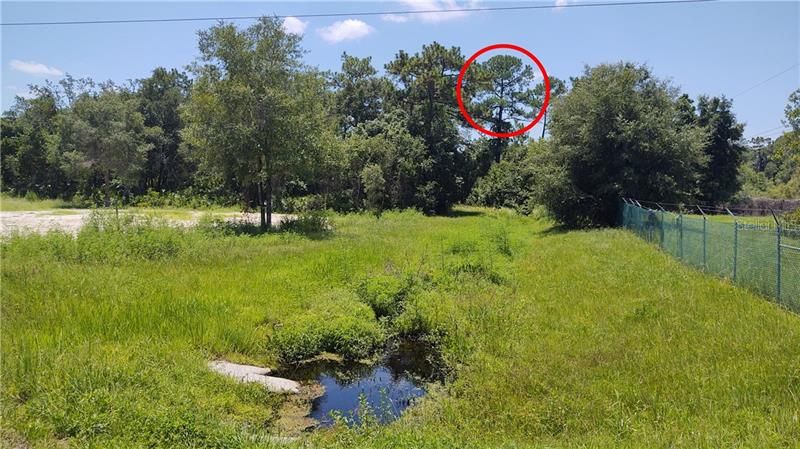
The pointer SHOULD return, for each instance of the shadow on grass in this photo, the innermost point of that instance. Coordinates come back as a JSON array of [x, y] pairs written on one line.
[[313, 230], [558, 229], [457, 213]]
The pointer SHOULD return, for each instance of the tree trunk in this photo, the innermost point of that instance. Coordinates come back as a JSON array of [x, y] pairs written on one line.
[[269, 202], [544, 123], [107, 189], [261, 205]]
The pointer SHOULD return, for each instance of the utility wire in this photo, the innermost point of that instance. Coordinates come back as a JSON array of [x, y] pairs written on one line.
[[766, 80], [775, 134], [363, 13], [771, 130]]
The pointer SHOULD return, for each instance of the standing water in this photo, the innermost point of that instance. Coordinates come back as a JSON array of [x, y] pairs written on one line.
[[387, 387]]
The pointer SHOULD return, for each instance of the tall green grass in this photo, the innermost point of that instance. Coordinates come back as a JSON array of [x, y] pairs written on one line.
[[9, 203], [552, 339]]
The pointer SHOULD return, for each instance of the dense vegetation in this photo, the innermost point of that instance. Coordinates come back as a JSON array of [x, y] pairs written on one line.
[[252, 124], [578, 339]]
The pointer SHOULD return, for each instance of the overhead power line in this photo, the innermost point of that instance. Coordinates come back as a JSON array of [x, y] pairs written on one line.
[[766, 80], [776, 133], [772, 130], [363, 13]]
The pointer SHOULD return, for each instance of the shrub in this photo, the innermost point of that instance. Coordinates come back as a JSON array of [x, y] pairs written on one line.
[[308, 223], [30, 195], [384, 294], [792, 218], [421, 318], [298, 204], [507, 184], [616, 133], [338, 324]]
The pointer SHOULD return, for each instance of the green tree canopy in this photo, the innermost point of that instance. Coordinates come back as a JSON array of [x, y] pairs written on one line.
[[557, 88], [503, 93], [28, 164], [404, 164], [426, 92], [723, 150], [616, 134], [254, 111], [104, 132], [160, 96], [359, 92]]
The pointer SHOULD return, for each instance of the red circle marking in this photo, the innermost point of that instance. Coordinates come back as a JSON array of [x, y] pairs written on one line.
[[461, 80]]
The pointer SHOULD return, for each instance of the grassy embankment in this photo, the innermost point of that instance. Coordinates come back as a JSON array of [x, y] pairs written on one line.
[[555, 339]]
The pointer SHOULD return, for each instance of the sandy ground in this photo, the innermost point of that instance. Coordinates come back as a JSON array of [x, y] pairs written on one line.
[[71, 220]]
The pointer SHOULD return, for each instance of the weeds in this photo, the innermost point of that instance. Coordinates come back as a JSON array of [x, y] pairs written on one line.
[[575, 339], [338, 324]]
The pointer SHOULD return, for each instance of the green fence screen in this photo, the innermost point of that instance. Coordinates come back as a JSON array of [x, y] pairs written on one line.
[[757, 253]]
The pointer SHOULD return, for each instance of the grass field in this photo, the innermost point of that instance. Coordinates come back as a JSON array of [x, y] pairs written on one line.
[[10, 203], [553, 339]]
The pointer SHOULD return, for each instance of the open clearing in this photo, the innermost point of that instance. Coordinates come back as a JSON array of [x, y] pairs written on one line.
[[71, 220], [553, 339]]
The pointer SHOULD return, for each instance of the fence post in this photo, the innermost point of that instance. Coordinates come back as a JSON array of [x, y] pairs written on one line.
[[680, 219], [663, 243], [735, 241], [778, 264], [705, 221], [640, 220], [625, 213]]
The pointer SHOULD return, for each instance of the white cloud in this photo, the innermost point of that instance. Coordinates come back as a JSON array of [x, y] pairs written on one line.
[[293, 25], [396, 18], [345, 30], [34, 68], [560, 3], [453, 7]]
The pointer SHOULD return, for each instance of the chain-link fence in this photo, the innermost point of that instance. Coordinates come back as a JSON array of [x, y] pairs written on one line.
[[759, 253]]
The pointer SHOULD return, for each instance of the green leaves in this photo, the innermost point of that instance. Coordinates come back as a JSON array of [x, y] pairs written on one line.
[[253, 116], [616, 133], [503, 93], [106, 133]]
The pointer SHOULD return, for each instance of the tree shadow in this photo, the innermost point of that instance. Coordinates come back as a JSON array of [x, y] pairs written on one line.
[[458, 213], [244, 228], [558, 229]]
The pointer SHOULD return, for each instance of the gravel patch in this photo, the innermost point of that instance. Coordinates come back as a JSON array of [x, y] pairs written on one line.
[[71, 220]]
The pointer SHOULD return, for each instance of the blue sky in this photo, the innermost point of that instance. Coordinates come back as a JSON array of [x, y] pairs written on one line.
[[710, 48]]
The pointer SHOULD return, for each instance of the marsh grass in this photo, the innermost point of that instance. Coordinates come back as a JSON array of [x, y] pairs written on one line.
[[552, 339]]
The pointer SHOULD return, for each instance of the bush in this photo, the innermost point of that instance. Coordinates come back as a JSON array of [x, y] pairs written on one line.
[[385, 294], [299, 204], [616, 133], [314, 222], [187, 198], [338, 324], [508, 183], [31, 196], [422, 318], [792, 218]]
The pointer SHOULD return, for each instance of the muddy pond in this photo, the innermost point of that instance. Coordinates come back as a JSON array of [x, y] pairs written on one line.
[[387, 387]]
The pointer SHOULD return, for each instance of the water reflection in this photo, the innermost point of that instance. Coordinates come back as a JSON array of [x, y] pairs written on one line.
[[388, 387]]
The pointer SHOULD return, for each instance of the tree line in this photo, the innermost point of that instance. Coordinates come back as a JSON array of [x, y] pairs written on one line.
[[249, 122]]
